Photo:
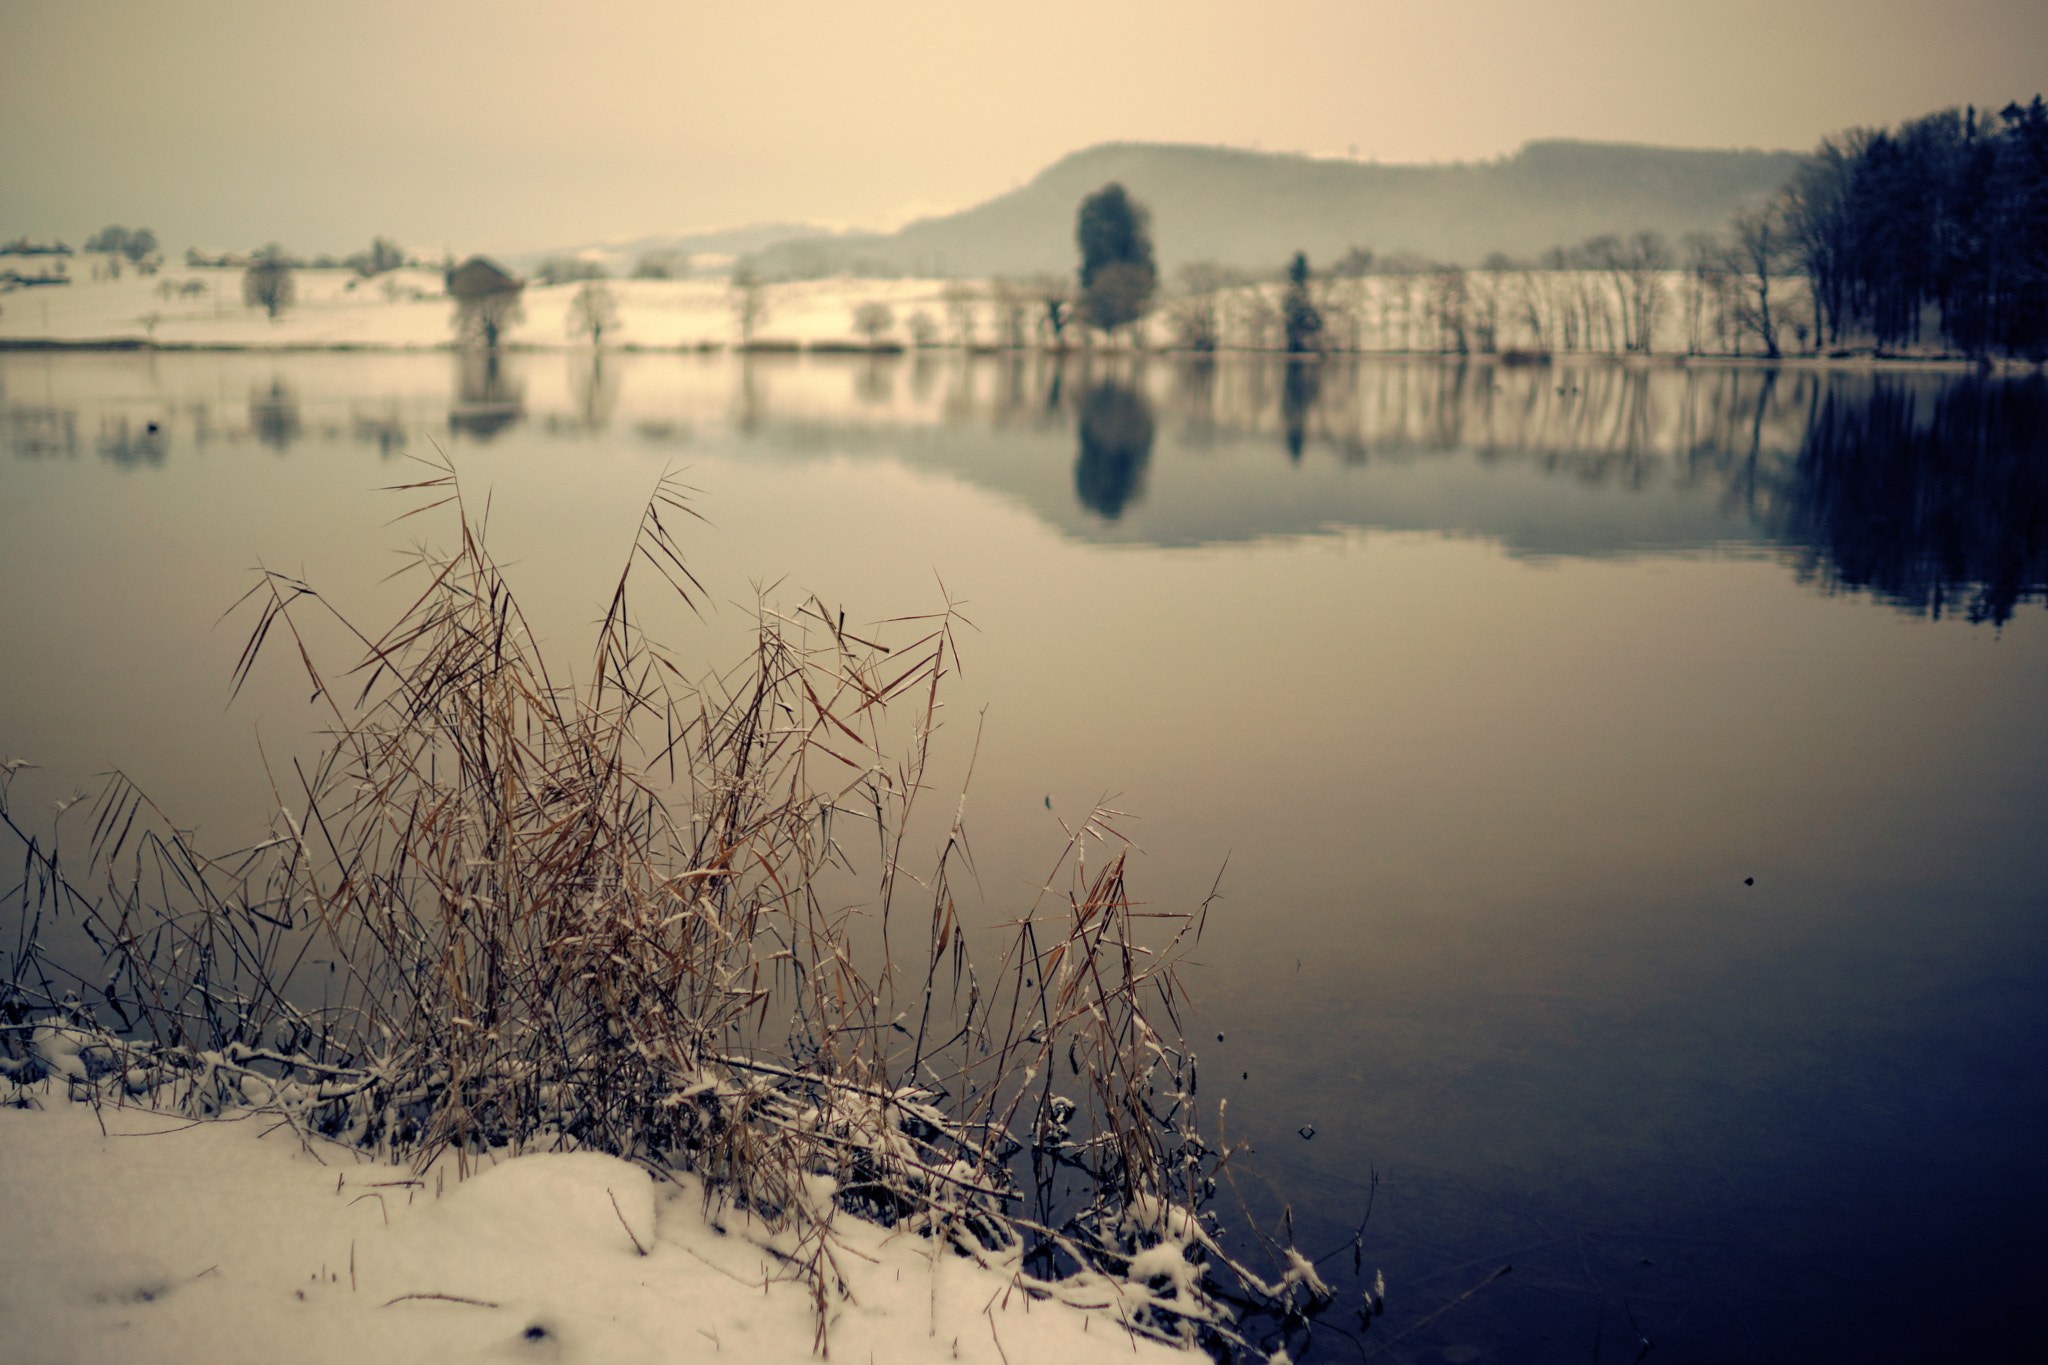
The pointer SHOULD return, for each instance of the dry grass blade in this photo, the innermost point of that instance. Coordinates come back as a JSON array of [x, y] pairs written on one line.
[[628, 916]]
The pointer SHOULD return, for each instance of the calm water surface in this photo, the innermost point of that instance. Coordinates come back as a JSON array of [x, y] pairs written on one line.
[[1633, 782]]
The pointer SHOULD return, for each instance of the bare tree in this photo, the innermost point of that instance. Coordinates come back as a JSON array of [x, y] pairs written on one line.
[[1449, 303], [1821, 229], [1644, 261], [961, 300], [1055, 294], [662, 265], [1488, 288], [1706, 276], [1344, 297], [749, 303], [267, 283], [1013, 302], [1761, 251], [1558, 283], [1531, 293], [1598, 288], [1194, 312], [873, 321], [382, 257], [593, 312], [1256, 318], [487, 301], [139, 246], [923, 331]]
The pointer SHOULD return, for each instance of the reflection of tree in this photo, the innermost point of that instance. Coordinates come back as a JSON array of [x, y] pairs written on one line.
[[593, 312], [387, 433], [957, 408], [751, 403], [1014, 398], [1924, 509], [1116, 445], [1195, 397], [1298, 394], [488, 398], [875, 382], [274, 414], [130, 445], [1055, 387], [486, 302], [595, 391], [36, 431]]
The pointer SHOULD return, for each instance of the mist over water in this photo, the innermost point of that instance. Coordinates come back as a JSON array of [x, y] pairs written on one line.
[[1631, 778]]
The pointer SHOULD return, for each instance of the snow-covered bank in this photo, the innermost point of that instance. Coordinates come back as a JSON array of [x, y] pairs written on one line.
[[203, 307], [1412, 311], [137, 1236]]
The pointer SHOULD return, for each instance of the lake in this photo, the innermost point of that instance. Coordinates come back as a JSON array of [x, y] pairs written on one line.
[[1632, 780]]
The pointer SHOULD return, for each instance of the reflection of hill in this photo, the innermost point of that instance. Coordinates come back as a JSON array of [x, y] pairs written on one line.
[[1928, 494], [1923, 489], [1592, 460], [488, 397]]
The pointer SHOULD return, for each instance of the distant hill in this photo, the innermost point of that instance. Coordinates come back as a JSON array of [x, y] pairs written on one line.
[[1254, 209], [620, 257]]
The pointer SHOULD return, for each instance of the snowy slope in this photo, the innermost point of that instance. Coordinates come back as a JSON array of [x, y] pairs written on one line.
[[132, 1236]]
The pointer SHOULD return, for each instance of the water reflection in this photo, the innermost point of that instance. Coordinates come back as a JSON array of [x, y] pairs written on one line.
[[274, 415], [131, 442], [1116, 445], [387, 432], [488, 396], [875, 385], [1298, 395], [1504, 817], [1929, 496], [1921, 489], [35, 432], [593, 390]]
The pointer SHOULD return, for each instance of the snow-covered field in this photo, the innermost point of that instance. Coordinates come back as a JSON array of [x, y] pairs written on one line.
[[408, 308], [128, 1235]]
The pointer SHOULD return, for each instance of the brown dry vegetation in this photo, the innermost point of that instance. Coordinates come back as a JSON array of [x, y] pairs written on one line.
[[662, 916]]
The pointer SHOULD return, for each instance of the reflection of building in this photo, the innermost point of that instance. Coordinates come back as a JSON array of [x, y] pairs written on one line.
[[274, 414], [488, 398]]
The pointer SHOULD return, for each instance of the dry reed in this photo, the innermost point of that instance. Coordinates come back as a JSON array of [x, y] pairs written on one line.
[[629, 915]]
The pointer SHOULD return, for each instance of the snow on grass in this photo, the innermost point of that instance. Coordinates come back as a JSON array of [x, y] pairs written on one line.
[[183, 306], [134, 1235]]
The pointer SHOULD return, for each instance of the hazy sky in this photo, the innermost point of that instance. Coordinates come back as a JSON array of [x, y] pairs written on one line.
[[520, 125]]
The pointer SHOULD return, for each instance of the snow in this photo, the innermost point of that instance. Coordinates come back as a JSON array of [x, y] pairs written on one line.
[[133, 1235], [182, 306], [408, 309]]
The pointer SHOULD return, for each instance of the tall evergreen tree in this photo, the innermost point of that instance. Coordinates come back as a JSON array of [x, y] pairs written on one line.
[[1118, 276], [1299, 315]]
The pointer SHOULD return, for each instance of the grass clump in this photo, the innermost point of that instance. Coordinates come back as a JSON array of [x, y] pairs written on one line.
[[662, 917]]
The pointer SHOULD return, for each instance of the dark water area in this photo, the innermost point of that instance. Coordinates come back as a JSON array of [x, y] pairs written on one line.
[[1632, 779]]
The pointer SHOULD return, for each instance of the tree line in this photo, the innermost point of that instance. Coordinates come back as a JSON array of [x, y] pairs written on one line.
[[1935, 230], [1941, 223]]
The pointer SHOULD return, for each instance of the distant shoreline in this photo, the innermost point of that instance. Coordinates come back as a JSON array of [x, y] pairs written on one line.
[[840, 350]]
